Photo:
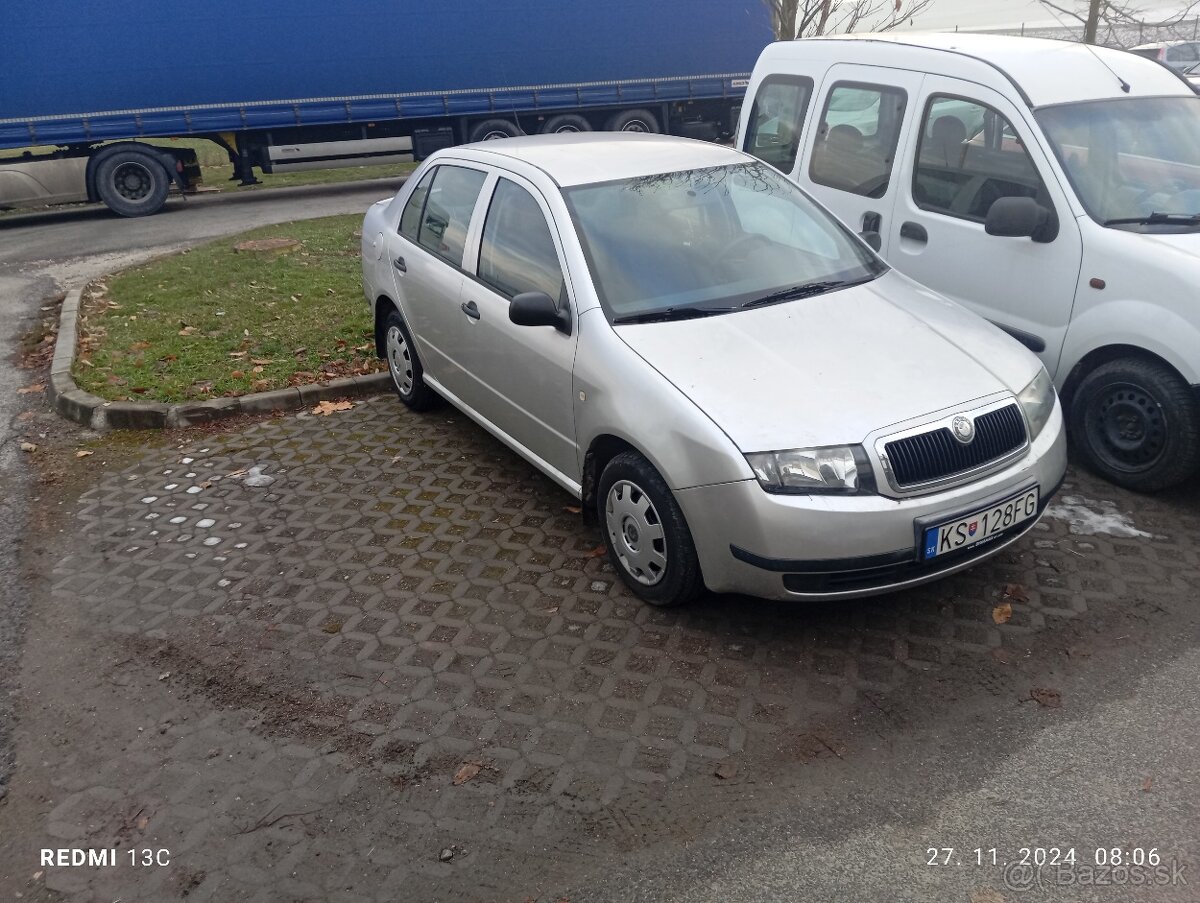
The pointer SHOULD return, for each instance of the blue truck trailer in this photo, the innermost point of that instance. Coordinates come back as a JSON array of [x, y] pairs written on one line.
[[314, 83]]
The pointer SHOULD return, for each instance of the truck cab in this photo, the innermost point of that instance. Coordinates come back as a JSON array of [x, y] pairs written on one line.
[[1050, 187]]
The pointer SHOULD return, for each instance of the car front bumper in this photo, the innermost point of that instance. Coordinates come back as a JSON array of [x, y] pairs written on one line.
[[843, 547]]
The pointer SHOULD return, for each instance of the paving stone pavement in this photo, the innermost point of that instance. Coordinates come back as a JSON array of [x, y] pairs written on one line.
[[410, 650]]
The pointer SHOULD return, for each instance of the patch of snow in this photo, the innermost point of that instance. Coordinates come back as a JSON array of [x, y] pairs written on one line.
[[1087, 517]]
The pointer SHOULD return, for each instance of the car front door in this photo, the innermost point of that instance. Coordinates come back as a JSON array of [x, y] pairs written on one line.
[[972, 148], [426, 253], [863, 123], [520, 377]]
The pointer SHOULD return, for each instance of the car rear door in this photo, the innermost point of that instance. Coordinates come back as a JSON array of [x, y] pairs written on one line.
[[973, 147], [426, 253], [520, 377], [860, 124]]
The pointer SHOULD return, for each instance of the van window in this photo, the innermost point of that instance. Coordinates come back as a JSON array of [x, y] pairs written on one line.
[[776, 120], [968, 157], [448, 211], [856, 140]]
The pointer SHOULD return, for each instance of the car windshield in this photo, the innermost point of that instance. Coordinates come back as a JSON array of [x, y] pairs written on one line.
[[1134, 163], [710, 241]]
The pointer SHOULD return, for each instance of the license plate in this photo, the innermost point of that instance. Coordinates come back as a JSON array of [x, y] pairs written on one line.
[[979, 526]]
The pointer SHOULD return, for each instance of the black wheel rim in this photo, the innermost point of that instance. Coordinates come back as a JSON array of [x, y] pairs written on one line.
[[133, 181], [1126, 427]]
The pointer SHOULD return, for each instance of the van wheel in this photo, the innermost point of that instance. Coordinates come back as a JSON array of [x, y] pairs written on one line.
[[492, 129], [648, 540], [132, 183], [1135, 423], [633, 121], [408, 376]]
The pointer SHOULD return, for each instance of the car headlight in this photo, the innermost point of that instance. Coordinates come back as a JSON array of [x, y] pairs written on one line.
[[1037, 401], [842, 469]]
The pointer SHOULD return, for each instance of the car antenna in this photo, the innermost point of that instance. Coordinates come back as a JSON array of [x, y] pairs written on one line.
[[1092, 50]]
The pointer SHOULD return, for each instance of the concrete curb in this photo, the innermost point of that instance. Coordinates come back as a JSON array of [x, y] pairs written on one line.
[[72, 402]]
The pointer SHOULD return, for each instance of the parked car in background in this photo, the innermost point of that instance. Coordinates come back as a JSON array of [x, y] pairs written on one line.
[[740, 392], [1050, 187], [1176, 54]]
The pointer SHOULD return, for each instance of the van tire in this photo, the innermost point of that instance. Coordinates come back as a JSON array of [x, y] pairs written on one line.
[[132, 183], [1135, 422]]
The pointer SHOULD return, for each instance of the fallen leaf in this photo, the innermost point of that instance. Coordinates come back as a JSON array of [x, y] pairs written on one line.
[[207, 484], [236, 473], [237, 354], [1044, 696], [260, 361], [333, 625], [84, 452], [188, 330], [142, 822], [726, 770], [596, 552], [1001, 613], [572, 509], [256, 369], [237, 374], [28, 447], [465, 772], [1147, 784], [27, 390], [260, 385], [139, 390], [325, 408], [140, 346], [299, 351], [1016, 591]]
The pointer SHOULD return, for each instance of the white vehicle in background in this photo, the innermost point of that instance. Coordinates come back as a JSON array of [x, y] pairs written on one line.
[[33, 182], [1050, 187]]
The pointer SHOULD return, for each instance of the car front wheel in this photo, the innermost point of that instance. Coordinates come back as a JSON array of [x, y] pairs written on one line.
[[646, 534], [1136, 423]]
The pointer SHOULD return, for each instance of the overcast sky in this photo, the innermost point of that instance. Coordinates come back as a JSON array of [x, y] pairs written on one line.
[[946, 14]]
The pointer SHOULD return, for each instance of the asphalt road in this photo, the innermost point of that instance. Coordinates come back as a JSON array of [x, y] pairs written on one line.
[[46, 252]]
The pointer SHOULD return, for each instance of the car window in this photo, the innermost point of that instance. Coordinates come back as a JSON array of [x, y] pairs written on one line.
[[776, 120], [447, 212], [856, 139], [969, 156], [517, 252], [1182, 53], [410, 219]]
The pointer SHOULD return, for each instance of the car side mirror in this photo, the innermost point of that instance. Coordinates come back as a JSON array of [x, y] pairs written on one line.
[[1020, 217], [874, 239], [539, 309]]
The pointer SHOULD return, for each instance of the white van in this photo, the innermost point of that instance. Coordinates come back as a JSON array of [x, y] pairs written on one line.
[[1050, 187]]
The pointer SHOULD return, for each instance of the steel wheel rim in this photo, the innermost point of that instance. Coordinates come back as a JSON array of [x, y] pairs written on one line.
[[635, 532], [399, 359], [562, 129], [635, 125], [1127, 427], [495, 135], [133, 181]]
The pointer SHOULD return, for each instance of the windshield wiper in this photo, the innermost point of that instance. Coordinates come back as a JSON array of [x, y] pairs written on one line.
[[797, 291], [672, 313], [1156, 219]]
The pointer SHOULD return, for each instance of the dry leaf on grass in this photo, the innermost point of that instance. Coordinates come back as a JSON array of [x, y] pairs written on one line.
[[237, 374], [325, 408], [84, 452], [28, 390], [465, 772], [1001, 613]]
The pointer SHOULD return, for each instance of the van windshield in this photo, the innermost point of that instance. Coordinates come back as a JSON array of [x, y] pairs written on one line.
[[1135, 163]]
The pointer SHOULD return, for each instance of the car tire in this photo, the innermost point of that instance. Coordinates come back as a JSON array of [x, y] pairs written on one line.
[[565, 123], [1135, 422], [492, 129], [404, 365], [647, 537], [633, 121], [132, 183]]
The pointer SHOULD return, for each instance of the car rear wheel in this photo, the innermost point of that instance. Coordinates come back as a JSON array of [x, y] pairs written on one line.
[[404, 365], [647, 536], [132, 183], [1135, 423]]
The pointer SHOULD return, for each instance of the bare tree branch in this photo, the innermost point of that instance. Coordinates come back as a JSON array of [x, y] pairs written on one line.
[[810, 18]]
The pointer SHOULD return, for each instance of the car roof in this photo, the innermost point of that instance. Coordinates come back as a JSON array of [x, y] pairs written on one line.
[[581, 158], [1045, 71]]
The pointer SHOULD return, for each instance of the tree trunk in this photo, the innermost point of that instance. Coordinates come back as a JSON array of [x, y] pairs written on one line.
[[1093, 20]]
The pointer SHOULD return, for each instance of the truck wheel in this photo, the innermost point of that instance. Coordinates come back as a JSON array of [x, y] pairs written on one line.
[[633, 121], [1135, 423], [648, 540], [567, 122], [491, 129], [132, 183]]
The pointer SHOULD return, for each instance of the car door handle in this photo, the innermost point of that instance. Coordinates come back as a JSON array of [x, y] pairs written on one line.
[[915, 231], [399, 264], [470, 309]]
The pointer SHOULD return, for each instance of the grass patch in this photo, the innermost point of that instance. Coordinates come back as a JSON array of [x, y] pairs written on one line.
[[215, 322]]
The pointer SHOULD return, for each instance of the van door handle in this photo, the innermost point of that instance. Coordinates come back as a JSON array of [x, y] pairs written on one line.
[[915, 231], [470, 309], [399, 264]]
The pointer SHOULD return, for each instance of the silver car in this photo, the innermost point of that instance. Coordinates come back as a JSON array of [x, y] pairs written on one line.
[[742, 394]]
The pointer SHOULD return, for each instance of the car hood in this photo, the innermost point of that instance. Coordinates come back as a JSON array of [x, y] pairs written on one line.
[[834, 368]]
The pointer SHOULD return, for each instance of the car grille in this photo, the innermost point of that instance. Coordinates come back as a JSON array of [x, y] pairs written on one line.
[[936, 455]]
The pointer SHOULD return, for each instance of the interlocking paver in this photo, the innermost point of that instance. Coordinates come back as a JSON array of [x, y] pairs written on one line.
[[407, 596]]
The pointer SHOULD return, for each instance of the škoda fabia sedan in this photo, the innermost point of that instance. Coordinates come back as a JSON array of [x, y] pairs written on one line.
[[742, 394]]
